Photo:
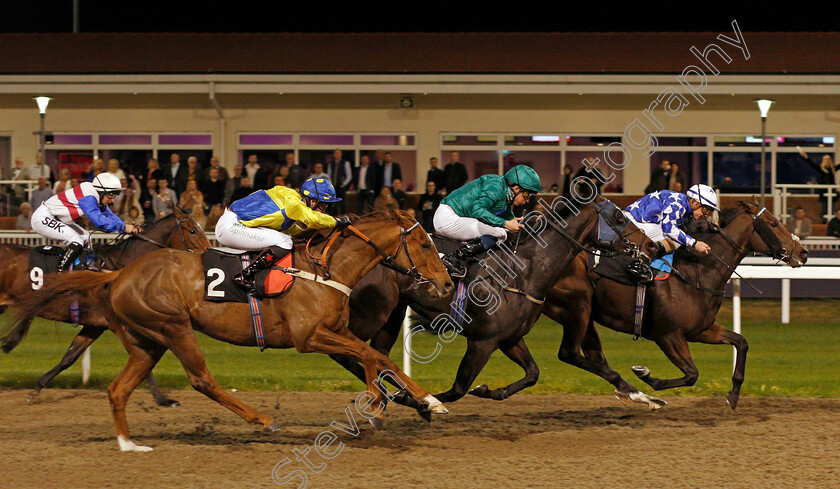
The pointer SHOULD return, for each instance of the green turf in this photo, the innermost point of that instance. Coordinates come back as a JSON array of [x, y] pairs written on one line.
[[799, 359]]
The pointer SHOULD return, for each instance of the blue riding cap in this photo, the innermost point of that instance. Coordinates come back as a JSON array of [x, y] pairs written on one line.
[[320, 189]]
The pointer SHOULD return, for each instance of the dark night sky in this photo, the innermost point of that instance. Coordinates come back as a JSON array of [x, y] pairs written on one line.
[[407, 16]]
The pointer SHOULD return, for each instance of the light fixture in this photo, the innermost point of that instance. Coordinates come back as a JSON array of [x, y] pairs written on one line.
[[406, 101], [42, 103], [764, 106]]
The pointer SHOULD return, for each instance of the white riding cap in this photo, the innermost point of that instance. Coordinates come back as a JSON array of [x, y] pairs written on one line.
[[107, 183], [704, 194]]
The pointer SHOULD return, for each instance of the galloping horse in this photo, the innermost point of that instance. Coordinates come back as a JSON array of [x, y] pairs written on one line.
[[155, 303], [379, 301], [678, 310], [178, 231]]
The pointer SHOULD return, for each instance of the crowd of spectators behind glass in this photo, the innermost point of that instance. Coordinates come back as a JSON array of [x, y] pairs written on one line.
[[204, 189]]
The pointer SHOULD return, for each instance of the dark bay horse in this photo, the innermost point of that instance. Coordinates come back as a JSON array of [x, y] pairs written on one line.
[[177, 231], [499, 319], [156, 303], [677, 311]]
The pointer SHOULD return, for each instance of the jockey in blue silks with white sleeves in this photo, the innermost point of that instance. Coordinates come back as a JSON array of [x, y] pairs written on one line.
[[660, 215]]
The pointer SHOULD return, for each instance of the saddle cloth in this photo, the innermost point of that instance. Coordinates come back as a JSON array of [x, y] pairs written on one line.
[[44, 260], [221, 264], [615, 268]]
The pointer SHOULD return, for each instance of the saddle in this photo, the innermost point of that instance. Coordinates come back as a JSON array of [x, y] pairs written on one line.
[[221, 264]]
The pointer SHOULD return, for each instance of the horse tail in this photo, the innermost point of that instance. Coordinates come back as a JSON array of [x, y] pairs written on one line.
[[82, 285]]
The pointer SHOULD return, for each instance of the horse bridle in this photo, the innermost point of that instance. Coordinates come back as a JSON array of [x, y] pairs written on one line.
[[122, 237], [779, 253]]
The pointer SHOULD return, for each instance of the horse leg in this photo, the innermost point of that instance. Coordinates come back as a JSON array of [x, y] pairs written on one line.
[[325, 341], [476, 357], [141, 360], [160, 397], [675, 347], [83, 339], [185, 346], [519, 353], [594, 361], [718, 335]]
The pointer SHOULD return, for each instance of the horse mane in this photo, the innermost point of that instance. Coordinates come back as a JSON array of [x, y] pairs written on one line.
[[402, 217], [705, 230]]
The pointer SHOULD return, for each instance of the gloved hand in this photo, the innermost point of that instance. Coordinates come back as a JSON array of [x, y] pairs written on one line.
[[342, 222]]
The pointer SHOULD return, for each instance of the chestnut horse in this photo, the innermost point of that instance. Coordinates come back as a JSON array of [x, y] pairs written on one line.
[[501, 319], [177, 230], [678, 310], [157, 302]]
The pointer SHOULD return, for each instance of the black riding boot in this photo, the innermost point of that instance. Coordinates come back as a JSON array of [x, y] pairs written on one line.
[[70, 254], [468, 250], [267, 258]]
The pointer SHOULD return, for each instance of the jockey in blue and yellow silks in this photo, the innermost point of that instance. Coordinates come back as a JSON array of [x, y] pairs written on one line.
[[267, 219]]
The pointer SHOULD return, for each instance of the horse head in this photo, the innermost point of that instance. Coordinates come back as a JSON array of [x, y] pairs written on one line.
[[184, 233], [772, 238]]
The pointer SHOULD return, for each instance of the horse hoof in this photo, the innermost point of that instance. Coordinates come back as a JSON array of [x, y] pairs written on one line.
[[732, 400], [640, 371], [172, 403], [655, 403], [376, 423], [271, 428], [127, 445], [32, 397], [621, 396], [435, 406], [480, 391]]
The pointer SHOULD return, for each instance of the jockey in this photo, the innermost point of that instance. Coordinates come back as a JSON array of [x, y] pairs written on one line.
[[483, 209], [55, 218], [660, 214], [269, 218]]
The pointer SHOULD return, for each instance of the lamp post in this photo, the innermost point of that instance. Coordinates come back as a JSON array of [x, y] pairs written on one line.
[[42, 108], [764, 106]]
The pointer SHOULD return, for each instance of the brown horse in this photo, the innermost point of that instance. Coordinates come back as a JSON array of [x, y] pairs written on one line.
[[178, 231], [678, 310], [156, 303]]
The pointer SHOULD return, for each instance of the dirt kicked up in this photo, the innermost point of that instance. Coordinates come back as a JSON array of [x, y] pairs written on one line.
[[66, 440]]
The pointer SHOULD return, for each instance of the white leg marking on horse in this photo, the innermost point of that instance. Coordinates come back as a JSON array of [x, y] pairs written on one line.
[[435, 406], [127, 445]]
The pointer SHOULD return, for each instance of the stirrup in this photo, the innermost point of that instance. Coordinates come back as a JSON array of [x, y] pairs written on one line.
[[640, 271], [245, 282], [455, 269]]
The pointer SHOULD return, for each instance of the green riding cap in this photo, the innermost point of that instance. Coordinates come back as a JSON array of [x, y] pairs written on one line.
[[525, 177]]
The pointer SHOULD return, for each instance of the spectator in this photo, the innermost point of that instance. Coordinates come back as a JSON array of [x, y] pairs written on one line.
[[386, 201], [175, 174], [147, 196], [40, 170], [567, 182], [165, 200], [434, 174], [152, 171], [297, 174], [341, 175], [232, 185], [365, 181], [135, 216], [390, 171], [197, 213], [799, 225], [213, 189], [63, 182], [397, 192], [429, 203], [256, 173], [191, 197], [24, 220], [18, 192], [40, 194], [318, 171], [284, 176], [193, 172], [214, 163], [828, 175], [245, 189], [124, 202], [96, 167], [114, 169], [676, 179], [454, 173], [660, 179], [834, 224], [593, 176], [278, 181]]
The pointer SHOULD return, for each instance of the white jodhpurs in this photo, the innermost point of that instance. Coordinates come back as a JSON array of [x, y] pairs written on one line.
[[231, 233], [653, 231], [451, 225], [48, 226]]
